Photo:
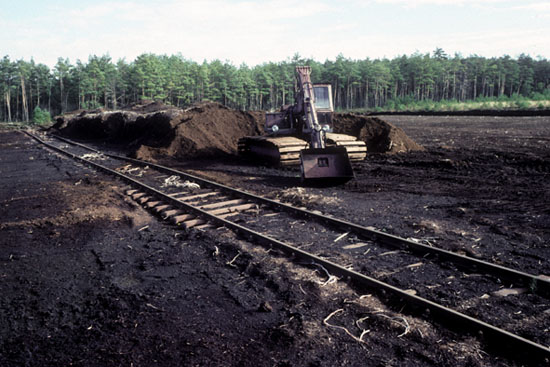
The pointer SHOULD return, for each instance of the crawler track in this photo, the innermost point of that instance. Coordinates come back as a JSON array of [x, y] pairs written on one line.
[[272, 223]]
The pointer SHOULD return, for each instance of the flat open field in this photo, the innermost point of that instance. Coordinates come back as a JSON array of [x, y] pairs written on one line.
[[90, 278]]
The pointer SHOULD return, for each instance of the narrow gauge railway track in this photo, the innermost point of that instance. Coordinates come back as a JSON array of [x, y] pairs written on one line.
[[272, 224]]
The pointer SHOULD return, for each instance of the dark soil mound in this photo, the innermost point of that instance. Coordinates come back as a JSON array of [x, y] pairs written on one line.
[[148, 107], [206, 129], [153, 130], [379, 135], [122, 126]]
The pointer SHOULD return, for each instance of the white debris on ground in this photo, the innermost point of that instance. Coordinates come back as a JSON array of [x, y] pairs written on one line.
[[93, 156], [175, 181], [300, 196], [134, 171]]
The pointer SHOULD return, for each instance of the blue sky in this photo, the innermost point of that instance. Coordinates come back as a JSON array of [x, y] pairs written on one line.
[[253, 32]]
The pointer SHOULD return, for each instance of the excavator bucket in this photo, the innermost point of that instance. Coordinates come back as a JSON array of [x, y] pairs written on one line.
[[326, 166]]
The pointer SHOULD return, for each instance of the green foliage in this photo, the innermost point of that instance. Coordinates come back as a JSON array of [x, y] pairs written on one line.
[[516, 101], [90, 105], [40, 116], [544, 96], [437, 81], [522, 104]]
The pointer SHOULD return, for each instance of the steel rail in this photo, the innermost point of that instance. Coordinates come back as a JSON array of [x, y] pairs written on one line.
[[536, 284], [518, 346]]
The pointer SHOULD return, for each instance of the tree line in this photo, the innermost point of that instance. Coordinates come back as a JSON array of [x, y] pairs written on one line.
[[175, 80]]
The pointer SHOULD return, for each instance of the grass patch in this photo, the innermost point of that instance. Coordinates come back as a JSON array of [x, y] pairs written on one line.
[[516, 102]]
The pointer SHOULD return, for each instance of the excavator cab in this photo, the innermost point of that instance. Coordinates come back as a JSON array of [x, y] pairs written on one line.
[[323, 107], [323, 97]]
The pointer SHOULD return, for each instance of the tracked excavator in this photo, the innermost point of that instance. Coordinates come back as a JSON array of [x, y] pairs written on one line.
[[302, 134]]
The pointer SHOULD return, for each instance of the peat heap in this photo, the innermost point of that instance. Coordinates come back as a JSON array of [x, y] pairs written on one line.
[[379, 135], [154, 131], [131, 124], [204, 130]]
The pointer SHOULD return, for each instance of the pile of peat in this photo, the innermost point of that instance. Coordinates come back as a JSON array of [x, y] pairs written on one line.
[[155, 131], [379, 135]]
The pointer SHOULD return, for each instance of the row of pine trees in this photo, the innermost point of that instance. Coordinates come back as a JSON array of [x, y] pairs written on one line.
[[357, 84]]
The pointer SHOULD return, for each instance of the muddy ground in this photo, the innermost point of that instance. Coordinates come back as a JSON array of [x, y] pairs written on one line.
[[89, 278]]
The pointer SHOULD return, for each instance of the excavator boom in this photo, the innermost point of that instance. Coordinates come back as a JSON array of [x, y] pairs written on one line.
[[319, 164], [302, 134]]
